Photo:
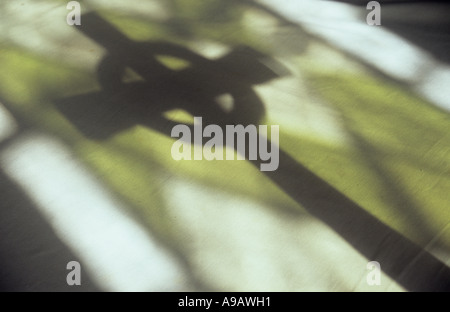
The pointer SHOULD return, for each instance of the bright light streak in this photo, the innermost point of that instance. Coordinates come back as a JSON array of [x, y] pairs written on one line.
[[118, 253], [7, 124], [240, 244], [342, 25]]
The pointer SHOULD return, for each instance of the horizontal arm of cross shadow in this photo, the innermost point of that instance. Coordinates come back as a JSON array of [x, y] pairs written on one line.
[[404, 261]]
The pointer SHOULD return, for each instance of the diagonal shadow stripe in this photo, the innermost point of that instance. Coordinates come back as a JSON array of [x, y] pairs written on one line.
[[407, 263]]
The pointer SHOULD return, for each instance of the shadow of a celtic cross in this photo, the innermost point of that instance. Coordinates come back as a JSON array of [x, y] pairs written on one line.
[[198, 88]]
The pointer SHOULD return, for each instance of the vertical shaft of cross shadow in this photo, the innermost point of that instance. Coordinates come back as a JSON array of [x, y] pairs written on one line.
[[404, 261]]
